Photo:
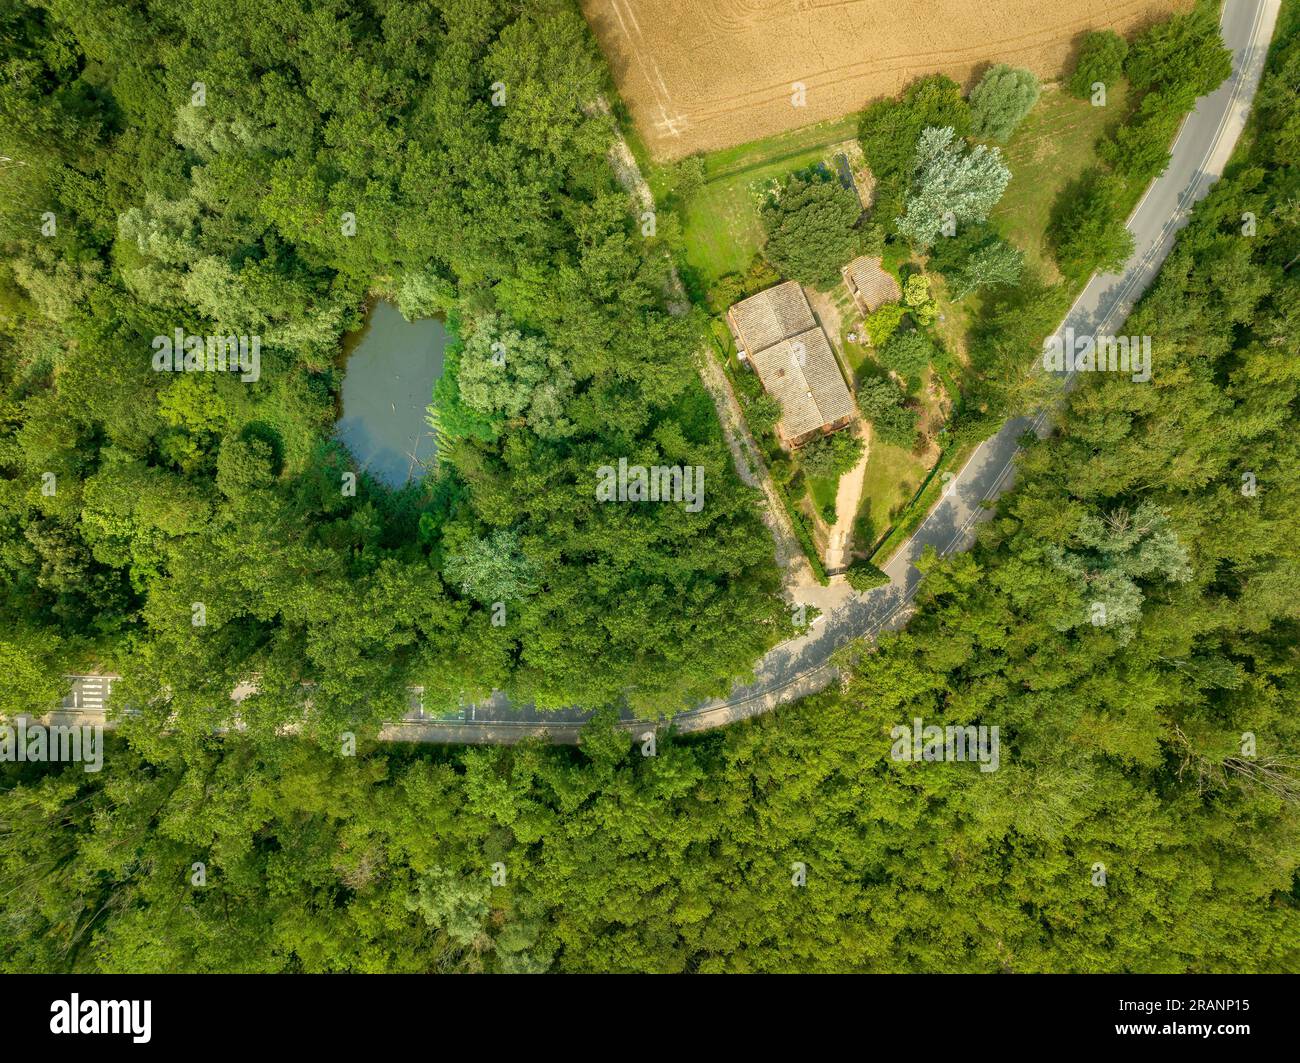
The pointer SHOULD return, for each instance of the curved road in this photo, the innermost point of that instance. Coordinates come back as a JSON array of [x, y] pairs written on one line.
[[802, 666]]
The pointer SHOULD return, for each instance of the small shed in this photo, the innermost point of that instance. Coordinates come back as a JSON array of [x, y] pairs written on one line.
[[870, 284]]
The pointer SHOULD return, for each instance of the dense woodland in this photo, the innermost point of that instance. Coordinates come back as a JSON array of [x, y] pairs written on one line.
[[232, 217], [1122, 742]]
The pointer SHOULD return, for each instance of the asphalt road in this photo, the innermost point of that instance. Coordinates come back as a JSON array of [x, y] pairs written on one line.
[[802, 666]]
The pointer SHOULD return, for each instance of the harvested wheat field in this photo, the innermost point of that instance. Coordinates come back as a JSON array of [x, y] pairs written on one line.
[[705, 74]]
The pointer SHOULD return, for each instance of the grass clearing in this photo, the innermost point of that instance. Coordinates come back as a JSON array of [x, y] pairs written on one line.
[[730, 162], [954, 319], [720, 222], [722, 230], [1055, 143], [891, 478]]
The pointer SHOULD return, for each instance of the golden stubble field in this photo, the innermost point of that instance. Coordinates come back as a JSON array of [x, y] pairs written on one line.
[[705, 74]]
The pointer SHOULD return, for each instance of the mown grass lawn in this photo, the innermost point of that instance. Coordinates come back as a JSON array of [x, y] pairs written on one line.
[[1053, 145], [823, 490], [954, 319], [722, 230], [891, 478], [856, 353], [779, 149]]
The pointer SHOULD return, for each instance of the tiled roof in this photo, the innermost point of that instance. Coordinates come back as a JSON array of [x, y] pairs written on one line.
[[772, 316], [802, 375], [871, 283]]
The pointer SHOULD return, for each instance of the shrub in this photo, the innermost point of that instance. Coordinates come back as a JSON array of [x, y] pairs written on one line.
[[782, 470], [916, 296], [863, 575], [760, 275], [732, 287], [880, 324], [762, 414], [882, 404], [908, 353], [832, 455], [828, 513], [687, 177], [1001, 100], [423, 294], [727, 289], [804, 533], [871, 238], [1101, 58]]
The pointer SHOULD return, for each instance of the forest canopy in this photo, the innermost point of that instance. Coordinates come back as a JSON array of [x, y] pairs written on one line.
[[266, 169], [1146, 812]]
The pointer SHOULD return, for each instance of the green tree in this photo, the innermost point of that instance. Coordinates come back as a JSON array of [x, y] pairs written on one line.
[[881, 403], [810, 229], [1120, 743], [881, 323], [862, 575], [950, 183], [1001, 100], [977, 258], [908, 353], [1140, 149], [1101, 59], [422, 293], [1119, 548], [891, 129], [688, 177], [1087, 229], [492, 569], [833, 455], [455, 905], [505, 374], [1183, 53], [918, 300]]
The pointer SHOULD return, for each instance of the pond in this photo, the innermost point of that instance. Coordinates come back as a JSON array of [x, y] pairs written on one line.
[[391, 366]]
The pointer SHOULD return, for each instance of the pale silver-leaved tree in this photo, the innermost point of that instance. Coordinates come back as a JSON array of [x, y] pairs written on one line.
[[950, 183]]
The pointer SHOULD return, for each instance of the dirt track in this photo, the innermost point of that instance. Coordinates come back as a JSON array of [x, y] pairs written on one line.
[[706, 74]]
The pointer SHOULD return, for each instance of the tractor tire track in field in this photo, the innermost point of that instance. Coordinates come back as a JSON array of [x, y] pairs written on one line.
[[845, 54]]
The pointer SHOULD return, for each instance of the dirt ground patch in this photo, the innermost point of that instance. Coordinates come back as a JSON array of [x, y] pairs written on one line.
[[705, 74]]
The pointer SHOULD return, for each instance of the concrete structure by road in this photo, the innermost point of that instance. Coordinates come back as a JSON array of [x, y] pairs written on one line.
[[802, 666]]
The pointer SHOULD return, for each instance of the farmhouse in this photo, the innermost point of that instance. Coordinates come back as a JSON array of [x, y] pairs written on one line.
[[870, 284], [775, 330]]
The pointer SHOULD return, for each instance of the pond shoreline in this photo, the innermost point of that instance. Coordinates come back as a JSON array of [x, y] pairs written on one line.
[[389, 367]]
